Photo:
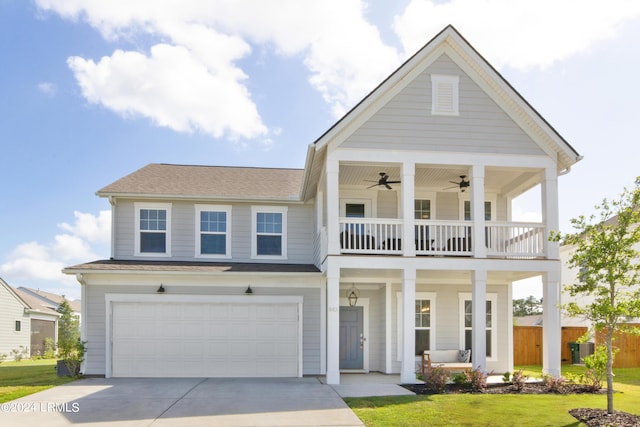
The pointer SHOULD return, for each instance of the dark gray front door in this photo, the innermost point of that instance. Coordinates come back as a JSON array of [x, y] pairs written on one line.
[[351, 338]]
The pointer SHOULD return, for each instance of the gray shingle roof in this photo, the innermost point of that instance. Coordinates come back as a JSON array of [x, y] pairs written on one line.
[[184, 181], [192, 266]]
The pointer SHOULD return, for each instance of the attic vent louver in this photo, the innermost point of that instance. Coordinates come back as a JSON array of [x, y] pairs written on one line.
[[444, 95]]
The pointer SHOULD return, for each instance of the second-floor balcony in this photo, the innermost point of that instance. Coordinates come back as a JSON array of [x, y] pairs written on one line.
[[439, 237]]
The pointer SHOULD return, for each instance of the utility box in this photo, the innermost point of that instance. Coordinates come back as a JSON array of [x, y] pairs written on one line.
[[586, 349], [575, 352]]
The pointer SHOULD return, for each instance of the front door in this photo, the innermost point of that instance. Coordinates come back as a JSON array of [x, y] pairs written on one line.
[[351, 338]]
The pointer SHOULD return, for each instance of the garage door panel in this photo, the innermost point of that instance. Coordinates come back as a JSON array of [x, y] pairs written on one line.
[[205, 340]]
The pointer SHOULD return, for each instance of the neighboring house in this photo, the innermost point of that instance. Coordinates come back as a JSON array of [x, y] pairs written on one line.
[[569, 277], [53, 300], [25, 322], [231, 271]]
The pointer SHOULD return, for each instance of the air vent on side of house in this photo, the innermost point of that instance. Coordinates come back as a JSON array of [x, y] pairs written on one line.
[[444, 95]]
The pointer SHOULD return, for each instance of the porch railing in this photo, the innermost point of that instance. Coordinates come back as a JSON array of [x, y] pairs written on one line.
[[439, 237], [515, 239]]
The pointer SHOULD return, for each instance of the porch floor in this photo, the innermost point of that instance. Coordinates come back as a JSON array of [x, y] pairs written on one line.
[[377, 384]]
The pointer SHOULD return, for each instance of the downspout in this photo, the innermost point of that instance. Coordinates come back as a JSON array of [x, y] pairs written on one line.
[[112, 202]]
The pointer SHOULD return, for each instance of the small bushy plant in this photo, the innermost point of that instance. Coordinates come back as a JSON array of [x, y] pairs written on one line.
[[506, 377], [20, 353], [555, 384], [459, 378], [436, 379], [49, 348], [519, 379], [476, 380]]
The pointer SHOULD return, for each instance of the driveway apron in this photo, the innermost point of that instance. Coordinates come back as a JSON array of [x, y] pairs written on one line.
[[164, 402]]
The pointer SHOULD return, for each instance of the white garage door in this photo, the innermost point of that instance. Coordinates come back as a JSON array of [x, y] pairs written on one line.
[[187, 339]]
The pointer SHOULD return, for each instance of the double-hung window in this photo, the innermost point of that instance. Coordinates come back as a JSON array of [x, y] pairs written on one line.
[[490, 333], [153, 229], [424, 311], [213, 227], [269, 232]]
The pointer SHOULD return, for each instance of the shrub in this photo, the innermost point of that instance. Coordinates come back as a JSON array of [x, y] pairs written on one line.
[[519, 379], [476, 380], [49, 348], [3, 357], [459, 378], [555, 384], [20, 353], [596, 365], [436, 379], [506, 377]]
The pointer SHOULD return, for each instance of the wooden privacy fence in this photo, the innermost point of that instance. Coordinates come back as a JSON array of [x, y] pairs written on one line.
[[628, 355], [527, 344]]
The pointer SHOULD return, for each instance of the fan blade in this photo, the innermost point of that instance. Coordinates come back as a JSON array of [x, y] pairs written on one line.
[[452, 187], [388, 186], [394, 182], [454, 182], [371, 186]]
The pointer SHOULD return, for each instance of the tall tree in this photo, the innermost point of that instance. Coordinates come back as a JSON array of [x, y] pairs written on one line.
[[527, 306], [606, 257], [68, 324]]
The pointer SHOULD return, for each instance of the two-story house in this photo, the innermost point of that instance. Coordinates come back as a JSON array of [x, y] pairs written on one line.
[[396, 237]]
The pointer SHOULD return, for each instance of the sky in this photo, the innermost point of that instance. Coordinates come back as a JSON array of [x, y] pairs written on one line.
[[91, 91]]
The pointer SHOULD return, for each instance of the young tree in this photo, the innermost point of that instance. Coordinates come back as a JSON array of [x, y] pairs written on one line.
[[605, 255], [68, 325]]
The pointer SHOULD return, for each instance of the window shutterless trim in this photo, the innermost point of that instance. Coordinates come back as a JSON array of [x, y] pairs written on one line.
[[213, 208], [255, 210], [138, 206]]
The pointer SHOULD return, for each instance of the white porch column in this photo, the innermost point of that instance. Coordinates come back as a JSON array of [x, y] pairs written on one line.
[[333, 206], [408, 369], [333, 322], [477, 211], [408, 220], [551, 323], [550, 215], [479, 320]]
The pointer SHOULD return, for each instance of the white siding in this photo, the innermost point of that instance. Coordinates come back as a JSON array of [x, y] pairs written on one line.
[[448, 321], [10, 311], [406, 122], [96, 316], [183, 233]]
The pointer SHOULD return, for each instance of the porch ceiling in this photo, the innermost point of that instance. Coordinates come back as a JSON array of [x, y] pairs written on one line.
[[363, 275], [437, 178]]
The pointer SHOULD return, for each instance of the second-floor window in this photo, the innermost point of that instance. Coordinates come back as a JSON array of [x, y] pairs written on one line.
[[213, 231], [269, 236], [153, 229]]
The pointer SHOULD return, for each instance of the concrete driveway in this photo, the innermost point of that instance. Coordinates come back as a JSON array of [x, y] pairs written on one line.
[[181, 402]]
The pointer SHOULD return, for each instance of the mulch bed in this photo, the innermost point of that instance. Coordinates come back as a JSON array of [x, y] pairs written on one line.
[[588, 416]]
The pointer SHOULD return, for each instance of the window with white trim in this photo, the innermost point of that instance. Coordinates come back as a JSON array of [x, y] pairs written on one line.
[[425, 322], [423, 325], [152, 229], [444, 95], [269, 232], [213, 231], [466, 320]]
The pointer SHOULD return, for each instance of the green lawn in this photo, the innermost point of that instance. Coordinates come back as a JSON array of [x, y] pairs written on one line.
[[495, 410], [26, 377]]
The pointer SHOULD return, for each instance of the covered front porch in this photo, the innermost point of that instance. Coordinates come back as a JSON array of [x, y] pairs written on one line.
[[405, 306]]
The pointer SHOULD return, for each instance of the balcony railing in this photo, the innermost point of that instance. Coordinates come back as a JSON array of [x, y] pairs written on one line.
[[444, 238]]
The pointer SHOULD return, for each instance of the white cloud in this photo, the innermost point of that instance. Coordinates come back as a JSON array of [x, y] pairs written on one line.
[[47, 88], [95, 229], [190, 80], [521, 34], [33, 261]]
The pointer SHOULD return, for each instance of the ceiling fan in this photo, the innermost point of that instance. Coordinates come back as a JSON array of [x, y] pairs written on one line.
[[383, 181], [462, 185]]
